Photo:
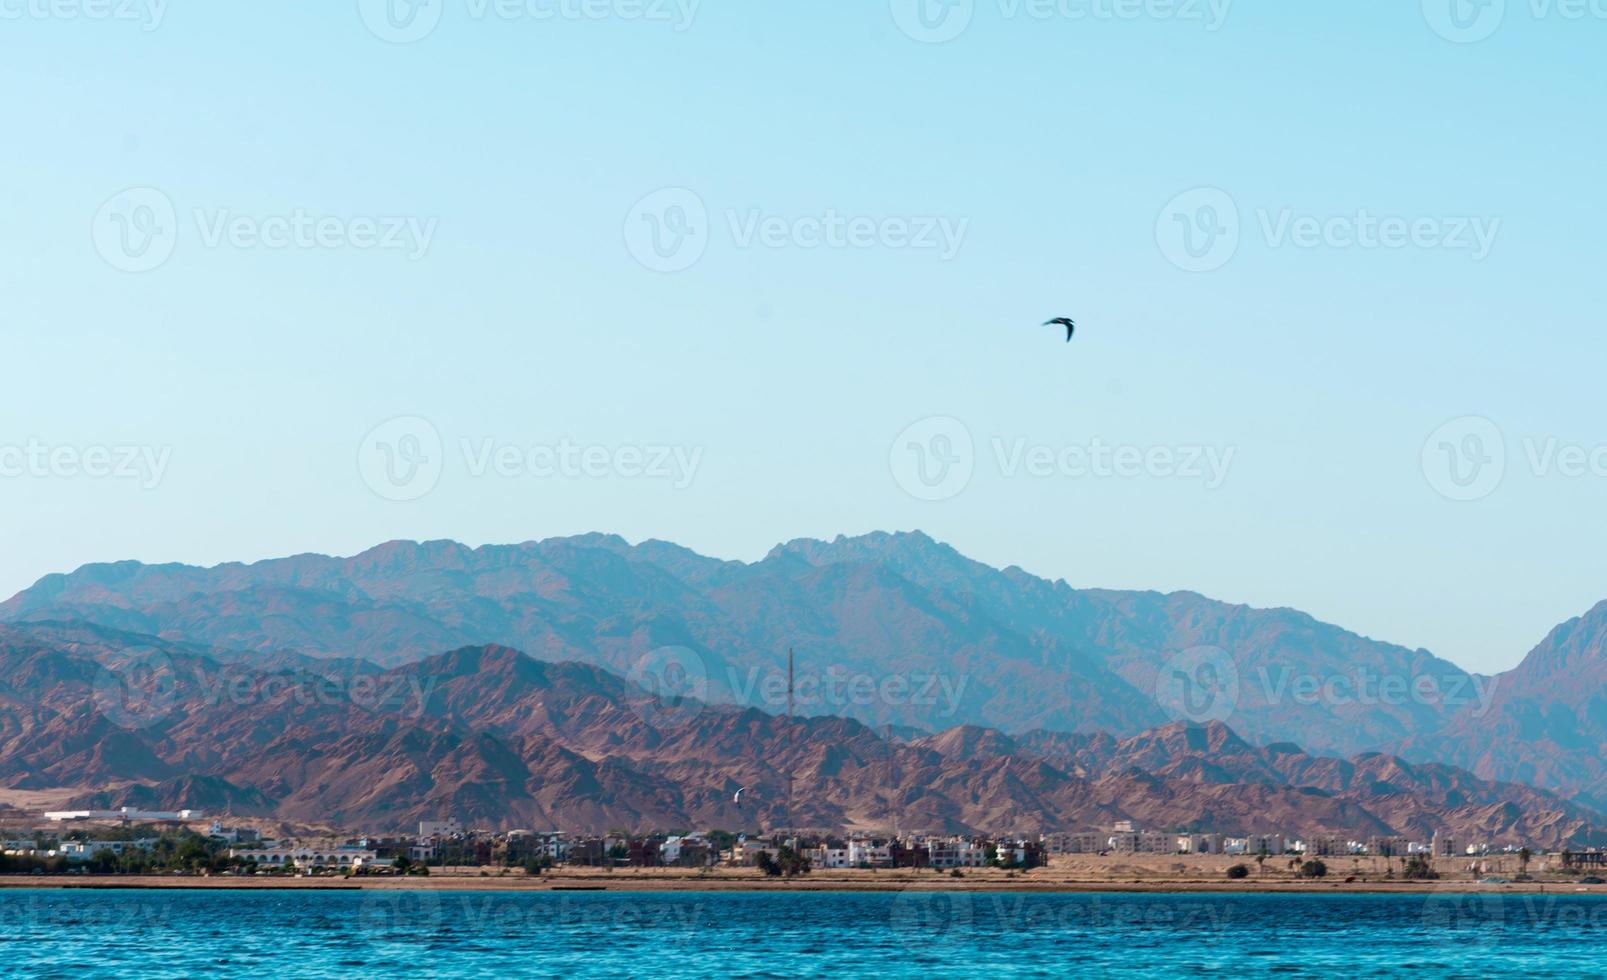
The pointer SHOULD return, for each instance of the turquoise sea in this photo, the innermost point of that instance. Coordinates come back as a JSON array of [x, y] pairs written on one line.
[[174, 933]]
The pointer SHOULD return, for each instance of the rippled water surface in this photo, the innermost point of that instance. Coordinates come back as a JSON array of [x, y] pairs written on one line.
[[177, 933]]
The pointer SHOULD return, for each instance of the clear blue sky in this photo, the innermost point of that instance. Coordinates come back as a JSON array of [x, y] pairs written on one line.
[[1055, 142]]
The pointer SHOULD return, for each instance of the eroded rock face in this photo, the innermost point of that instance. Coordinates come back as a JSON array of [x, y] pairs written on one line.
[[507, 741]]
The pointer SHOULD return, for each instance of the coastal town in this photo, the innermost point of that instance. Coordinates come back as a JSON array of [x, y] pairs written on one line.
[[186, 841]]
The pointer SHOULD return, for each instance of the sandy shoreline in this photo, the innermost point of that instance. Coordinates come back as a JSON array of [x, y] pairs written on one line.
[[1047, 881]]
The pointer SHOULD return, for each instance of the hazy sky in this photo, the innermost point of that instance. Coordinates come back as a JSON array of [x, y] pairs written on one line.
[[731, 273]]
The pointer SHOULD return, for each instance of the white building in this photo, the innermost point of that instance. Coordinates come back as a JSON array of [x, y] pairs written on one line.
[[336, 856], [551, 844], [826, 856], [232, 835], [670, 852], [862, 853], [1389, 846], [428, 829], [1199, 844], [1083, 843], [1143, 842], [1330, 845], [1254, 844], [83, 850], [125, 813], [747, 852], [957, 853], [1012, 851]]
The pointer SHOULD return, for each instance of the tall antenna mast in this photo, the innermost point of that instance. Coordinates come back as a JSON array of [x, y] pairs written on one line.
[[892, 778], [790, 831]]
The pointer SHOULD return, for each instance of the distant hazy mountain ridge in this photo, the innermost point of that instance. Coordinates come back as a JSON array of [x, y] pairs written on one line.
[[889, 629]]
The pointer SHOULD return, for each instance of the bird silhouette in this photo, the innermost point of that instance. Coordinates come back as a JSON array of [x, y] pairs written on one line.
[[1063, 321]]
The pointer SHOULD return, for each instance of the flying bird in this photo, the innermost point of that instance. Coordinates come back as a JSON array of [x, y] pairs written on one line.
[[737, 799], [1063, 321]]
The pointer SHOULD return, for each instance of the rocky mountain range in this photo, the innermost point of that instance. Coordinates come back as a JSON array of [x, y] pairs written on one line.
[[1546, 723], [500, 739], [1017, 651], [889, 630]]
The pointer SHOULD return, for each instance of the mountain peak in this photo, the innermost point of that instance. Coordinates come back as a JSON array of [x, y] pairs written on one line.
[[1574, 649], [1212, 737], [874, 546]]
